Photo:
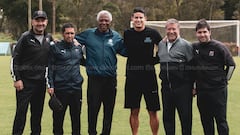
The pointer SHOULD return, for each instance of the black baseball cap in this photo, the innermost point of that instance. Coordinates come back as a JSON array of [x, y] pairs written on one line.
[[139, 9], [39, 14]]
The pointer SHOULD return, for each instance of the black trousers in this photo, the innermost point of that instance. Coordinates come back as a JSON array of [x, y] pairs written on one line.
[[212, 104], [33, 94], [74, 101], [180, 99], [101, 90]]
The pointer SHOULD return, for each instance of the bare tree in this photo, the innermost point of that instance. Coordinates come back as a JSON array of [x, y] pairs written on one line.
[[53, 16], [40, 5], [29, 14]]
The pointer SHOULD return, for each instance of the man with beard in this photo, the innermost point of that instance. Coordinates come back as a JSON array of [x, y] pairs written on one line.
[[28, 66]]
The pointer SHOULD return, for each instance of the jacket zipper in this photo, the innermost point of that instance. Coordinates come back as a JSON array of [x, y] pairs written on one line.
[[71, 65], [169, 83]]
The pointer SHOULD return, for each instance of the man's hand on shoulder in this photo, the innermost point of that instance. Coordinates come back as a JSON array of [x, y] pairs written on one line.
[[76, 43]]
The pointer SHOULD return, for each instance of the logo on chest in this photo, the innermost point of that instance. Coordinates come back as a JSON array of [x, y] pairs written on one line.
[[148, 40], [197, 51], [63, 51], [211, 53], [32, 40], [76, 50], [110, 42]]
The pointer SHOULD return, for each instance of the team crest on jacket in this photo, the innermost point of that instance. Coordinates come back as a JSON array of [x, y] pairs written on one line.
[[211, 53], [76, 50], [48, 40], [110, 42]]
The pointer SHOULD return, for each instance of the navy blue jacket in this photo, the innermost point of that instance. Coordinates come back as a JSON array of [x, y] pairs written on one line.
[[64, 67]]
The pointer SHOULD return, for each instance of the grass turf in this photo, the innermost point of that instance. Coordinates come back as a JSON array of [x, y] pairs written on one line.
[[120, 124]]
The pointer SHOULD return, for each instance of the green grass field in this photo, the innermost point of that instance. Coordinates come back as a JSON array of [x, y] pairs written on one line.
[[120, 125]]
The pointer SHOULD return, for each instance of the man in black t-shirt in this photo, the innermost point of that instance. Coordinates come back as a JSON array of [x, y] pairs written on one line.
[[140, 42]]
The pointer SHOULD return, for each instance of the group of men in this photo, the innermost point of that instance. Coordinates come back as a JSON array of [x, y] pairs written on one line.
[[202, 68]]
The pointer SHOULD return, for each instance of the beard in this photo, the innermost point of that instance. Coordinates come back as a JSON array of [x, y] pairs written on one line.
[[39, 30]]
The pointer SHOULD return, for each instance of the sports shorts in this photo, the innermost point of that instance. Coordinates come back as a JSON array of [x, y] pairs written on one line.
[[136, 87]]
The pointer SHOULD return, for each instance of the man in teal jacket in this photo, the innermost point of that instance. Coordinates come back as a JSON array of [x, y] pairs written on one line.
[[102, 44]]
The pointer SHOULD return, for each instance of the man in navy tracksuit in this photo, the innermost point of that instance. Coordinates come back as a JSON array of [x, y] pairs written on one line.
[[28, 68], [214, 66], [65, 80], [102, 44]]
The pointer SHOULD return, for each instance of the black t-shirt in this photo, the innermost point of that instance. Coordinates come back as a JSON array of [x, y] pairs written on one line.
[[140, 49]]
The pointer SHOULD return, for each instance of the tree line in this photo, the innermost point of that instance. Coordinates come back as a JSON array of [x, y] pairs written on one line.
[[14, 13]]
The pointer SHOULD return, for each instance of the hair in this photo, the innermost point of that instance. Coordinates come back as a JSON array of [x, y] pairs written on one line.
[[67, 25], [104, 12], [139, 9], [172, 21], [202, 23]]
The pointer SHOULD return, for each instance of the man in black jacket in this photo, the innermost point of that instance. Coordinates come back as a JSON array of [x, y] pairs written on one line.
[[214, 66], [28, 68], [65, 80]]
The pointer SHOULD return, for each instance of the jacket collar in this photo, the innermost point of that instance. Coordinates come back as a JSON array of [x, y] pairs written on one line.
[[67, 44], [174, 40], [110, 33]]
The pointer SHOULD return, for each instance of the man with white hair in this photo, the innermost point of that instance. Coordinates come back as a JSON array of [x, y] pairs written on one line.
[[102, 44]]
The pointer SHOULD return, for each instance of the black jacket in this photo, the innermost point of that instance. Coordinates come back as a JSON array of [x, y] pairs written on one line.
[[64, 67], [211, 63], [30, 57]]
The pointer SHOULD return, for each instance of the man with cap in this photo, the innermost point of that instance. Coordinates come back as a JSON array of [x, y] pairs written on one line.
[[28, 69]]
